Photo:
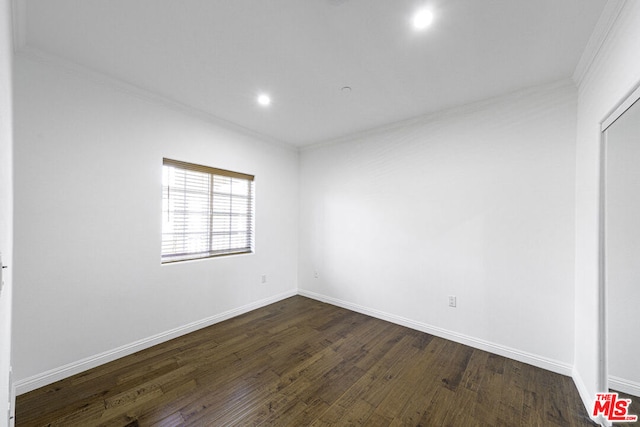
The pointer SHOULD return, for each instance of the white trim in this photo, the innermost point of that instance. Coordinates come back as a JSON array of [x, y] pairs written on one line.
[[521, 356], [12, 400], [600, 33], [105, 80], [430, 117], [40, 380], [625, 386], [603, 367], [587, 399], [618, 111], [604, 379]]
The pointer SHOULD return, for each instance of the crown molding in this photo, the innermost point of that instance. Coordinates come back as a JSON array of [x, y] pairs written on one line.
[[605, 24], [99, 78], [19, 24], [20, 47], [456, 110]]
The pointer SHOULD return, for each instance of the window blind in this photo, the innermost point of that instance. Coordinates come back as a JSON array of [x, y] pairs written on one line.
[[206, 211]]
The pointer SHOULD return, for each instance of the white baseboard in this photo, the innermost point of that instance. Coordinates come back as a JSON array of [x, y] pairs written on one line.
[[521, 356], [587, 398], [28, 384], [53, 375], [625, 386]]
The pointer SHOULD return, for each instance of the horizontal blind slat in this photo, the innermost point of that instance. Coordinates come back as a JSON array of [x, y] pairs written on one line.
[[206, 212]]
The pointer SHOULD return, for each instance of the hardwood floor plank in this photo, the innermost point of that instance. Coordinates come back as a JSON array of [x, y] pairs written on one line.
[[359, 414], [634, 408], [391, 368], [300, 362], [150, 414], [475, 370]]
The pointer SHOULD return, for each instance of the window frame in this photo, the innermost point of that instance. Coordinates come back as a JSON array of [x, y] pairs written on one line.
[[211, 252]]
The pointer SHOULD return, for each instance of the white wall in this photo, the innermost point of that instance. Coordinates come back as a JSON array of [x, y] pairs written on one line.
[[623, 249], [484, 211], [87, 221], [477, 202], [6, 203], [614, 73]]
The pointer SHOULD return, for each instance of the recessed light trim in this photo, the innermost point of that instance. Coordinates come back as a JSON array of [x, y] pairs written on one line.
[[264, 100], [422, 19]]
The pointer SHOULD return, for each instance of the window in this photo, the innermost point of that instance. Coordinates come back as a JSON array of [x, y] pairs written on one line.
[[206, 212]]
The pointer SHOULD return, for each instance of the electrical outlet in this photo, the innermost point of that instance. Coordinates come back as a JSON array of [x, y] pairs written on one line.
[[452, 301], [316, 275], [263, 278]]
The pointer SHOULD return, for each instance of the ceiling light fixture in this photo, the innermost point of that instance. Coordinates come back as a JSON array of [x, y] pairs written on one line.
[[422, 19], [264, 100]]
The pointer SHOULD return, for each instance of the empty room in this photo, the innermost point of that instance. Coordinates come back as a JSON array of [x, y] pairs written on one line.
[[320, 212]]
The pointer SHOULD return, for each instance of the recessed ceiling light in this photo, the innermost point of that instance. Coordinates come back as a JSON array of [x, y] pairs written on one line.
[[264, 100], [422, 19]]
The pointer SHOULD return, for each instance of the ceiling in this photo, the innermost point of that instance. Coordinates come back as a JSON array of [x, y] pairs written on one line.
[[216, 56]]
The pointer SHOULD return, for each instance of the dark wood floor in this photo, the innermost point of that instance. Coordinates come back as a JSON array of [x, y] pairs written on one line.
[[301, 362], [634, 408]]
